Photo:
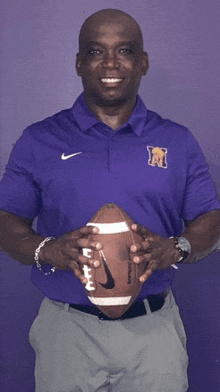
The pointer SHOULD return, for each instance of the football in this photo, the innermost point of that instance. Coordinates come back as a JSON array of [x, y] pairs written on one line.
[[114, 285]]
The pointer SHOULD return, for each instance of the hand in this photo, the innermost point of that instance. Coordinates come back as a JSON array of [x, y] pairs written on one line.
[[65, 252], [157, 252]]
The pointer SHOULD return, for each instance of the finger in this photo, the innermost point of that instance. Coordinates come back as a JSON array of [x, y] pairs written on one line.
[[77, 272], [86, 230], [83, 231], [142, 230], [146, 275], [152, 266], [146, 258], [141, 246], [85, 243], [80, 258]]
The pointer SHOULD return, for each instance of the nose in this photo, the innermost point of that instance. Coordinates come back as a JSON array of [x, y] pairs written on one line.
[[110, 61]]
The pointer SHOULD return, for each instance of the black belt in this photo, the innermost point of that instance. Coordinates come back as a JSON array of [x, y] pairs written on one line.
[[137, 308]]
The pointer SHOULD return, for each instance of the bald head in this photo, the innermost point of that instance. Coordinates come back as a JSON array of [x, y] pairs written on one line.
[[111, 60], [112, 17]]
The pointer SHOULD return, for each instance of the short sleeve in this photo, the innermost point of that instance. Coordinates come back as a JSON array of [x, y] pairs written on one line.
[[200, 195], [19, 194]]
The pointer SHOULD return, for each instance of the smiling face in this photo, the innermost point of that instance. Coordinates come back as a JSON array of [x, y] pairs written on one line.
[[111, 60]]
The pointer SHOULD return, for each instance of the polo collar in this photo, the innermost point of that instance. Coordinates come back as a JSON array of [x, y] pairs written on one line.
[[138, 117], [86, 119]]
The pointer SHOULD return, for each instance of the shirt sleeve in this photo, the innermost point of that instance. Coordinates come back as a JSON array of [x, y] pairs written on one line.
[[19, 194], [200, 194]]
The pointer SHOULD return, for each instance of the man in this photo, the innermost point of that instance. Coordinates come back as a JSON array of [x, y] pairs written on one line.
[[108, 148]]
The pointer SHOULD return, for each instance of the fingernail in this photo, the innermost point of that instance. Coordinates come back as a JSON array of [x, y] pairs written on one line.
[[134, 226], [96, 263], [98, 246], [133, 248], [136, 259], [142, 280], [95, 229]]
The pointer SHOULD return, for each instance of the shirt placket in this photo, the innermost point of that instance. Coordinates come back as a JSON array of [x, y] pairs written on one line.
[[112, 155]]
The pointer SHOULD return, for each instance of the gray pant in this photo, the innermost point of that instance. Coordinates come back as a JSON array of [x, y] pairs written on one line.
[[77, 352]]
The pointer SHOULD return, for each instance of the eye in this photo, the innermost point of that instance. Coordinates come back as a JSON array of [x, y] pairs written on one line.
[[94, 51], [125, 51]]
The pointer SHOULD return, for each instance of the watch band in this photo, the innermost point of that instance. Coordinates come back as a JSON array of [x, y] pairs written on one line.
[[183, 253], [184, 247]]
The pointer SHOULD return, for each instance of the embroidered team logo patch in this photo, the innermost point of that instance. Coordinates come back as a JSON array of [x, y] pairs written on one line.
[[157, 156]]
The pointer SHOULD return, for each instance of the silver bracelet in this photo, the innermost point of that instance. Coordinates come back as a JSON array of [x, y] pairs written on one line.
[[36, 257]]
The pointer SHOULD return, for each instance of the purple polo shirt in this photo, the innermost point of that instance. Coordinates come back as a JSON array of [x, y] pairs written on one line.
[[64, 168]]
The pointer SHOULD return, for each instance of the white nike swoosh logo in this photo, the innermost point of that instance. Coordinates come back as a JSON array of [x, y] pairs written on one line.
[[64, 157]]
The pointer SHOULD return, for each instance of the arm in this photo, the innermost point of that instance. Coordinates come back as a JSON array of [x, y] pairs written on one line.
[[20, 241], [159, 253], [203, 234]]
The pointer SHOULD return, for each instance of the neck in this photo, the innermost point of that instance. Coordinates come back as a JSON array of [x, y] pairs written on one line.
[[114, 116]]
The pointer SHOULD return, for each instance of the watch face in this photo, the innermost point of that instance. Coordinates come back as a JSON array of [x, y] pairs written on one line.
[[184, 244]]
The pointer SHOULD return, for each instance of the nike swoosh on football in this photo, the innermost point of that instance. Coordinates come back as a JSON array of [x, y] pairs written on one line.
[[110, 284], [64, 157]]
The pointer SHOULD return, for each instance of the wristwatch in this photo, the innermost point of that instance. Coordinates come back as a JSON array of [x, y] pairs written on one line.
[[183, 246]]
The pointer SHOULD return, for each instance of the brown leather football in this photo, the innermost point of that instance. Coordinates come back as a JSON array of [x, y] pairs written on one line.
[[114, 285]]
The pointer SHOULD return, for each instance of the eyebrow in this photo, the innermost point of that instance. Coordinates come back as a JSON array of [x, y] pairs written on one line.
[[128, 43]]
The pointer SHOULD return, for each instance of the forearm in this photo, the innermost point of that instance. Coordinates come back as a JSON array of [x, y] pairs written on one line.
[[17, 238], [203, 234], [160, 253]]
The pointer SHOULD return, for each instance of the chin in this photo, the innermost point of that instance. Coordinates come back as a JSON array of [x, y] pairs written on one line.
[[111, 101], [114, 102]]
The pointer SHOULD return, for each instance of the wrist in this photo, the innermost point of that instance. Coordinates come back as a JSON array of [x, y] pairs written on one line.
[[39, 260], [183, 248], [44, 253]]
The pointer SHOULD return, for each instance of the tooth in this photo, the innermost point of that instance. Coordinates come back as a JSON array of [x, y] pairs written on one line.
[[110, 80]]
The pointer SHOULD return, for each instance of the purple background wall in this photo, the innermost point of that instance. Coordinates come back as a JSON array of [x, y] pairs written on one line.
[[39, 42]]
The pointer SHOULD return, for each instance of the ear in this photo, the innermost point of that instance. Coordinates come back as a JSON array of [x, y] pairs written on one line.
[[78, 64], [145, 63]]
